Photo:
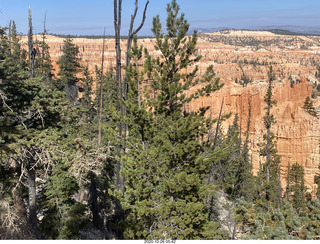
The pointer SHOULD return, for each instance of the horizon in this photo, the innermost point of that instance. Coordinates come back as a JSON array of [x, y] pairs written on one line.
[[64, 17]]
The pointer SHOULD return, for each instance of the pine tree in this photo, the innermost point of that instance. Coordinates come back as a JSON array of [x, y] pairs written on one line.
[[166, 164], [246, 181], [272, 225], [63, 216], [44, 64], [36, 110], [309, 107], [31, 51], [236, 175], [311, 230], [14, 101], [271, 186], [69, 66], [295, 190], [276, 224], [6, 123], [15, 65], [230, 166]]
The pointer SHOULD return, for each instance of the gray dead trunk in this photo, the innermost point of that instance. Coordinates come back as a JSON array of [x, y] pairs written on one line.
[[32, 193], [32, 51]]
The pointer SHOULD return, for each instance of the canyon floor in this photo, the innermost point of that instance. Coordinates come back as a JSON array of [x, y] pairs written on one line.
[[241, 60]]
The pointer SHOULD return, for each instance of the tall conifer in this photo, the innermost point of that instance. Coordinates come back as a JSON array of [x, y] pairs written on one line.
[[69, 64], [166, 164], [271, 188]]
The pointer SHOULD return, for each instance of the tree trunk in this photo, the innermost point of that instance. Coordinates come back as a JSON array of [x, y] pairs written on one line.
[[122, 89], [117, 27], [101, 90], [33, 221], [32, 54], [43, 39], [268, 151], [117, 4], [93, 201]]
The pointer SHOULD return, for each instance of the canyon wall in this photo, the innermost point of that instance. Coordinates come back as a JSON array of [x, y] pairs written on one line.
[[236, 55], [297, 132]]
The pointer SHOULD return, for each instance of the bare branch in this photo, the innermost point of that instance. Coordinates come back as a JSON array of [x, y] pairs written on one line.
[[4, 98], [41, 117], [143, 18], [133, 17]]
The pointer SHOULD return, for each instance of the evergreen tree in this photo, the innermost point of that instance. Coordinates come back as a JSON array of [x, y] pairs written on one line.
[[236, 174], [295, 190], [104, 181], [44, 64], [308, 106], [36, 110], [15, 65], [271, 186], [6, 123], [276, 224], [270, 225], [63, 216], [246, 181], [69, 66], [230, 166], [165, 167], [14, 101], [311, 230]]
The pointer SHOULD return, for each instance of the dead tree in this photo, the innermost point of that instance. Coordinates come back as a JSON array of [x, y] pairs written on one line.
[[32, 51], [43, 39], [33, 221], [122, 87], [131, 34]]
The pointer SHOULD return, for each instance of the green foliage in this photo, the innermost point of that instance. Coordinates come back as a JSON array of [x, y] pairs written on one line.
[[275, 224], [308, 106], [270, 190], [230, 165], [69, 66], [166, 196], [234, 169], [246, 186], [14, 67], [311, 229], [171, 168], [63, 216], [295, 190], [270, 226], [244, 214], [44, 65], [34, 117]]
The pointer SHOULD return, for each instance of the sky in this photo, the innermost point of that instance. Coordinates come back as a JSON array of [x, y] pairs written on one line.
[[90, 17]]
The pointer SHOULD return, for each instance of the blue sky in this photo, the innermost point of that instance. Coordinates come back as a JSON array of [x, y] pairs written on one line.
[[92, 16]]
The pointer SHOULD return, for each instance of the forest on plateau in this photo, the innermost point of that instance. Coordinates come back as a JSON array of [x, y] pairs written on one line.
[[115, 154]]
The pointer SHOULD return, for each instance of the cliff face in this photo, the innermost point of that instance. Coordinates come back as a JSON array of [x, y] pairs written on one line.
[[246, 56], [297, 132]]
